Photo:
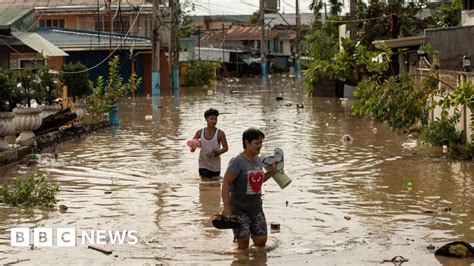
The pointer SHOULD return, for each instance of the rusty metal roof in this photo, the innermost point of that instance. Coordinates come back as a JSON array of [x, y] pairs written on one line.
[[57, 3], [240, 33]]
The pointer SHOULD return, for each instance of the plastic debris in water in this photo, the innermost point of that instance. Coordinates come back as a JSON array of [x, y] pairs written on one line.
[[457, 249], [347, 138], [410, 186]]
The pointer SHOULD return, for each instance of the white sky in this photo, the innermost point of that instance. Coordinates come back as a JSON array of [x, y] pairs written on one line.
[[239, 7]]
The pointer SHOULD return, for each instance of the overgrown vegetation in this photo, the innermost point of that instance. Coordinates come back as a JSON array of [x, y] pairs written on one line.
[[449, 15], [109, 92], [8, 91], [403, 104], [48, 83], [33, 191], [384, 96], [77, 80], [254, 19], [443, 131], [351, 64], [199, 73]]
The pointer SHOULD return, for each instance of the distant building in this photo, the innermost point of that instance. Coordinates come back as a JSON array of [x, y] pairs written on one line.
[[249, 39]]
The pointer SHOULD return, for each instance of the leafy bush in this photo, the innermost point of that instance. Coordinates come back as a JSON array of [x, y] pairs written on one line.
[[48, 85], [199, 73], [442, 132], [397, 101], [462, 151], [34, 191], [109, 92], [76, 79], [8, 91]]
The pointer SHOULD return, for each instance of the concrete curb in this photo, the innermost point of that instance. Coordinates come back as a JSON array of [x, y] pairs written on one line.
[[49, 140]]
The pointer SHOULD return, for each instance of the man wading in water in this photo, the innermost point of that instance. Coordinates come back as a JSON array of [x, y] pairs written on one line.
[[211, 139]]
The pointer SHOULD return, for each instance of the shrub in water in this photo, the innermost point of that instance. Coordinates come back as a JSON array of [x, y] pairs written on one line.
[[34, 191]]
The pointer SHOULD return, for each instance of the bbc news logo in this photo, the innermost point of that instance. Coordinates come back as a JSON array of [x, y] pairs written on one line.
[[66, 237]]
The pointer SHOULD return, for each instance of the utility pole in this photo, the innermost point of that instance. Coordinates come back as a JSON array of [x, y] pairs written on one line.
[[110, 27], [263, 62], [199, 42], [352, 18], [223, 47], [325, 12], [297, 55], [155, 74], [173, 50]]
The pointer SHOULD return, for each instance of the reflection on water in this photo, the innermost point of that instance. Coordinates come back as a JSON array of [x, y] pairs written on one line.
[[349, 203]]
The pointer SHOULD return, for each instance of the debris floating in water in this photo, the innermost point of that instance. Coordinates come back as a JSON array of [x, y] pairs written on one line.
[[148, 117], [347, 138]]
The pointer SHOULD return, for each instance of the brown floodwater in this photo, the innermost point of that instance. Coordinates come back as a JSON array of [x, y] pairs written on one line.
[[358, 203]]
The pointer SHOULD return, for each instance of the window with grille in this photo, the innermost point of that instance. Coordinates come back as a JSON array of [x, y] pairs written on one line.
[[52, 23]]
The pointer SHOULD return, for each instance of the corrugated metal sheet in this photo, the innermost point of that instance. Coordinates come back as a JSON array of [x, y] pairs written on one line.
[[8, 16], [56, 3], [39, 44], [75, 40], [238, 33]]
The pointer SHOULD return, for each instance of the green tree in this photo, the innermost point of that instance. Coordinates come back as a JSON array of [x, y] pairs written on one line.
[[199, 73], [185, 28], [316, 6], [77, 80], [379, 21], [8, 91], [254, 19], [336, 7], [48, 85], [321, 42], [449, 15]]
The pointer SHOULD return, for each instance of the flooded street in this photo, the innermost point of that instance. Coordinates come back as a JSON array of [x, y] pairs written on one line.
[[349, 204]]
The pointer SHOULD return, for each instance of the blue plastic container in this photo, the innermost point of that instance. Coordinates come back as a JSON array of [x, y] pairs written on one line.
[[114, 119]]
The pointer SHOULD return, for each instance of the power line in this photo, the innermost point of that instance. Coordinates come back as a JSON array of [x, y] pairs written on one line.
[[93, 67]]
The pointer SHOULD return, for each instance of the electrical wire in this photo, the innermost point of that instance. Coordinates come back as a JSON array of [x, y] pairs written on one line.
[[118, 46], [76, 72], [101, 62]]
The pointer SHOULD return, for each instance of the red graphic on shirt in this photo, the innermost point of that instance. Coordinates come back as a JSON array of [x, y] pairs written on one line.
[[255, 179]]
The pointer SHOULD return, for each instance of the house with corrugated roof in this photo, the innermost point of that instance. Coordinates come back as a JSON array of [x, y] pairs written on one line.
[[18, 46], [89, 30], [249, 39], [246, 41]]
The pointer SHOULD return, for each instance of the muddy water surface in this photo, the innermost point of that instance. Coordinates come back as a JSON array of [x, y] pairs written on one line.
[[349, 204]]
